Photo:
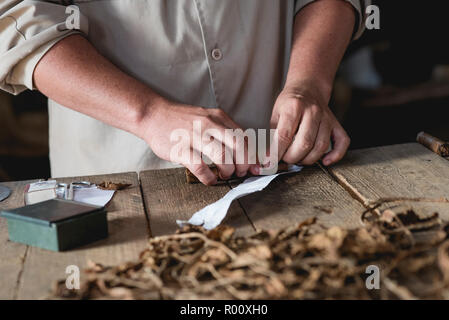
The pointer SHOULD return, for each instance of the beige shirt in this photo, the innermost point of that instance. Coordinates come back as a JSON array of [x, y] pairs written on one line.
[[230, 54]]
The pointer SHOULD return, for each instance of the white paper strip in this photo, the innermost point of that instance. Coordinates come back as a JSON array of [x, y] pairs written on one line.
[[212, 215], [93, 196]]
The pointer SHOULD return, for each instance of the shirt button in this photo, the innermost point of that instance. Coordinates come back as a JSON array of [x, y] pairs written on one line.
[[216, 54]]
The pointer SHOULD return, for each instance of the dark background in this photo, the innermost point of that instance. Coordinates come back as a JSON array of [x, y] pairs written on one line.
[[393, 83]]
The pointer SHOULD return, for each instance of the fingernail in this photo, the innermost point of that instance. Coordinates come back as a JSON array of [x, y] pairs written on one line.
[[255, 170], [326, 162]]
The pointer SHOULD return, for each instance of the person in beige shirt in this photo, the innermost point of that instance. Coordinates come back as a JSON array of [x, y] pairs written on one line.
[[135, 71]]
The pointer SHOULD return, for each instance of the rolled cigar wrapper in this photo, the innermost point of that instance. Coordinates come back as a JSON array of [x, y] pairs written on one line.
[[190, 177], [434, 144]]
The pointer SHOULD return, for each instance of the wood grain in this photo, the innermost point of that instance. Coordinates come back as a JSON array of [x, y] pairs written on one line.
[[292, 198], [12, 254], [406, 170], [128, 235], [169, 197], [337, 198]]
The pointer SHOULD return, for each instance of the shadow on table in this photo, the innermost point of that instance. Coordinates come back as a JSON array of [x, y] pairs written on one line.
[[121, 230]]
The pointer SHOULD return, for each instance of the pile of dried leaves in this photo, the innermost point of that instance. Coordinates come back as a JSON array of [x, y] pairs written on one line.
[[303, 262]]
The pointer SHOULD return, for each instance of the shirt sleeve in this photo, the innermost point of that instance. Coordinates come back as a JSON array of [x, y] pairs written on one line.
[[359, 5], [28, 29]]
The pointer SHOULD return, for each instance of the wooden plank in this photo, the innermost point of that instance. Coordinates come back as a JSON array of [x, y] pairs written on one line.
[[292, 198], [407, 170], [12, 254], [128, 235], [169, 197]]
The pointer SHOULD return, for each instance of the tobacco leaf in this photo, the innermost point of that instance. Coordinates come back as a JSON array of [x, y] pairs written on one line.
[[107, 185], [410, 220], [306, 261], [443, 260]]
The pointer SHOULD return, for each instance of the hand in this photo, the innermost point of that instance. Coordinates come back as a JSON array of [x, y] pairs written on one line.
[[164, 118], [304, 128]]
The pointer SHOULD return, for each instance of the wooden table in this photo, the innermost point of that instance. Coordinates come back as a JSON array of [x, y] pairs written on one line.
[[336, 196]]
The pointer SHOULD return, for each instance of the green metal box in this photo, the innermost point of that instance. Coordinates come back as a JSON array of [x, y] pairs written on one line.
[[57, 224]]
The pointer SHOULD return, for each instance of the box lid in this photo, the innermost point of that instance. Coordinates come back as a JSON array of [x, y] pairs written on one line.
[[50, 211]]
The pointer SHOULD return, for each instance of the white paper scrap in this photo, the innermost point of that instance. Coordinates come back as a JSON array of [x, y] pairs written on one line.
[[42, 185], [93, 196], [212, 215]]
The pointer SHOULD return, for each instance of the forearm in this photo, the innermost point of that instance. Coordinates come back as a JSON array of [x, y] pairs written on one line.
[[322, 32], [75, 75]]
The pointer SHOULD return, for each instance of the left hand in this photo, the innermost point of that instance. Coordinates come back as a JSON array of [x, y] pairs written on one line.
[[305, 127]]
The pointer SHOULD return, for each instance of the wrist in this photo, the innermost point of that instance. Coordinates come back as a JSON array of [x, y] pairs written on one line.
[[148, 108], [312, 89]]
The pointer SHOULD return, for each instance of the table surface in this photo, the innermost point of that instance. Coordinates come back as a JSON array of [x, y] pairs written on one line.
[[336, 195]]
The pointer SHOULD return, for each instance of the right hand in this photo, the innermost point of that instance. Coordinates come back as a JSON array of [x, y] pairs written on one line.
[[165, 118]]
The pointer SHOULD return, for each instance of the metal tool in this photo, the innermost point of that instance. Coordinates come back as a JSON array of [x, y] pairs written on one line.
[[4, 193], [66, 191]]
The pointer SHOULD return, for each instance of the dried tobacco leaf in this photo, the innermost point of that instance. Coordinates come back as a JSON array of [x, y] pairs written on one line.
[[302, 262], [443, 260], [107, 185], [410, 220], [221, 233]]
